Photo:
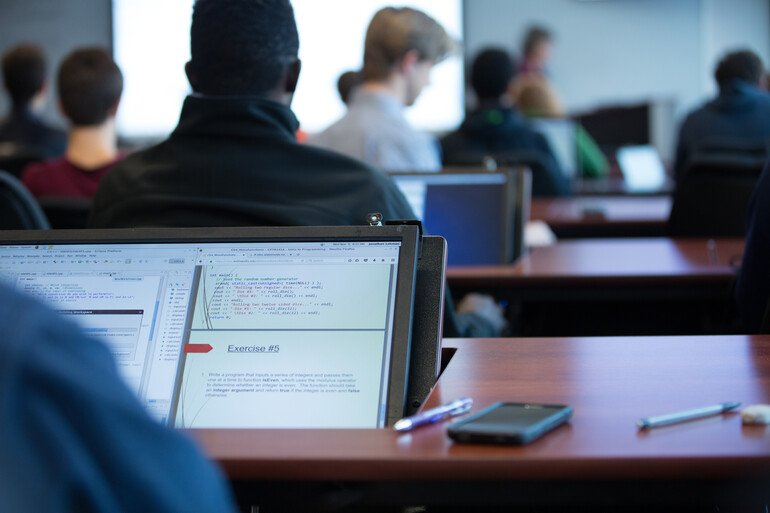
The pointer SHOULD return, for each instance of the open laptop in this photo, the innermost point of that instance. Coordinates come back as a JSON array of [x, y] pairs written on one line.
[[250, 327], [642, 168], [473, 211]]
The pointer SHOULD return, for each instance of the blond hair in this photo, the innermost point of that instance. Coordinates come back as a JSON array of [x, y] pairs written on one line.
[[395, 31], [535, 97]]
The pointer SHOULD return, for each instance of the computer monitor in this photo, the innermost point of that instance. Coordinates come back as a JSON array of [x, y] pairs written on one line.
[[474, 212], [561, 136], [642, 169], [258, 327]]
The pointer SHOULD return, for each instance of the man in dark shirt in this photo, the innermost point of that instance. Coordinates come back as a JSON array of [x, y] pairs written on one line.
[[497, 129], [72, 435], [90, 84], [233, 159], [738, 116], [24, 79]]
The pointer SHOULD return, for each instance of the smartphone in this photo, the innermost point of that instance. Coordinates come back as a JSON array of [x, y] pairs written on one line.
[[510, 423]]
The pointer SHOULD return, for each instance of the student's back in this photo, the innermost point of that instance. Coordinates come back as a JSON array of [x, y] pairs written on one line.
[[24, 79], [233, 159], [739, 115]]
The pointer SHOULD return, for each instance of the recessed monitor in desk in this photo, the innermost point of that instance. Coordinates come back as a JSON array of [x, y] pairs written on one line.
[[562, 138], [474, 212], [642, 168], [260, 327]]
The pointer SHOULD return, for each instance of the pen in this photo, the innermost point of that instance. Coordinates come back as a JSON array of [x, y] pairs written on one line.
[[434, 415], [662, 420]]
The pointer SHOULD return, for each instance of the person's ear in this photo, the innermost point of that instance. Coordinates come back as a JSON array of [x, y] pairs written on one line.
[[408, 62], [188, 70], [292, 76]]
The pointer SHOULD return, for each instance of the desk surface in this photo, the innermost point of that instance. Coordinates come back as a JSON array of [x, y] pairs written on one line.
[[619, 261], [602, 210], [610, 382]]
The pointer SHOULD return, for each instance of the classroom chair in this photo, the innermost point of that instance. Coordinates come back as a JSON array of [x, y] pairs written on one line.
[[18, 208]]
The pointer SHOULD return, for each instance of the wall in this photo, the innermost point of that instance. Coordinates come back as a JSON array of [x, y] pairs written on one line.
[[58, 26]]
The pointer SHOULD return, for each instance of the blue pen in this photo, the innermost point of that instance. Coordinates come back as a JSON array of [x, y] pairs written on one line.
[[434, 415]]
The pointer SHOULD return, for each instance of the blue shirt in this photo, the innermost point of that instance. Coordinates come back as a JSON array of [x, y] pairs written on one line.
[[739, 115], [375, 131], [74, 438]]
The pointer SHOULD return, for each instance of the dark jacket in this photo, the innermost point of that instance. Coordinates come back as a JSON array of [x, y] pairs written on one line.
[[503, 133], [234, 161], [739, 115], [753, 288], [25, 129], [73, 437]]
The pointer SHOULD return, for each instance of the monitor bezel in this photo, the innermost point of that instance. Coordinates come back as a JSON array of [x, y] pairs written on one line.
[[405, 280]]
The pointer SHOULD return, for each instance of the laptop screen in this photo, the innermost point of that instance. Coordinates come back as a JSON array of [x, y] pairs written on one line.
[[642, 169], [472, 211], [226, 333], [562, 138]]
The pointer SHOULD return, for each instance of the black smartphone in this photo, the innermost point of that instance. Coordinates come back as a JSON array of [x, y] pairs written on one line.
[[510, 423]]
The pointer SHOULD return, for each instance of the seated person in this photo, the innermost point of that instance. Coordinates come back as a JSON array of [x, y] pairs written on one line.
[[535, 98], [497, 129], [402, 45], [740, 113], [233, 160], [753, 288], [347, 83], [90, 85], [74, 438], [24, 79]]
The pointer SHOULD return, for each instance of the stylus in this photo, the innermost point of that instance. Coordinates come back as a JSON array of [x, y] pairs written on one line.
[[697, 413], [434, 415]]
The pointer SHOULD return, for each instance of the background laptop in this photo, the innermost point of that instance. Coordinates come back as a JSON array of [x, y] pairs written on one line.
[[474, 212], [642, 168], [262, 327]]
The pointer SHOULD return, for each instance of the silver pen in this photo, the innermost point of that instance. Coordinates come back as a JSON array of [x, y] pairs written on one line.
[[434, 415], [662, 420]]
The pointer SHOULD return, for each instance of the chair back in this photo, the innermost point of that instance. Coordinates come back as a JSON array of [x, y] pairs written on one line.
[[66, 212], [15, 157], [713, 195], [18, 208]]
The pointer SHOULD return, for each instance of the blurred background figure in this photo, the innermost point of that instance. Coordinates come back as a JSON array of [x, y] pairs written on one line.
[[536, 51], [737, 120], [90, 85], [496, 129], [401, 47], [22, 132], [348, 83], [535, 97]]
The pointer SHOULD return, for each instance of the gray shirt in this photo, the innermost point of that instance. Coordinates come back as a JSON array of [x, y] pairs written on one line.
[[375, 131]]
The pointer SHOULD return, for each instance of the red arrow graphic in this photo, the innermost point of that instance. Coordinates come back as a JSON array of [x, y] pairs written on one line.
[[197, 348]]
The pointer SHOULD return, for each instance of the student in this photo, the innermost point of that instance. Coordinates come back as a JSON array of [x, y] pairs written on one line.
[[347, 83], [74, 438], [496, 127], [24, 79], [90, 85], [401, 47], [739, 115], [535, 98], [233, 160]]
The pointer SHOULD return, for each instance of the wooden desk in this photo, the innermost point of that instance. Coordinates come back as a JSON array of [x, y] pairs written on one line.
[[604, 216], [615, 286], [599, 457]]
